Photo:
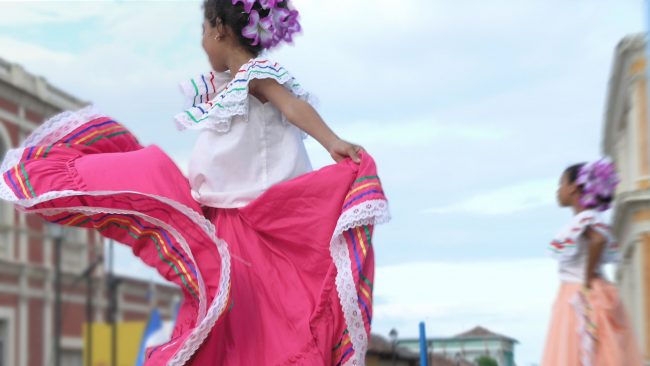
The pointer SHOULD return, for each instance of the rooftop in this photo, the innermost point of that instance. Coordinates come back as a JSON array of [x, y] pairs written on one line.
[[15, 75], [476, 333]]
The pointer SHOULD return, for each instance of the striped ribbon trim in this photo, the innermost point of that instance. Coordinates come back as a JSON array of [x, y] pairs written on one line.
[[359, 241], [168, 253], [206, 98]]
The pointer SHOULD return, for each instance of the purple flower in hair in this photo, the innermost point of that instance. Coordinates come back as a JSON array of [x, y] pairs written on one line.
[[259, 30], [598, 181], [292, 25], [248, 4], [269, 4], [278, 15], [285, 22], [279, 25]]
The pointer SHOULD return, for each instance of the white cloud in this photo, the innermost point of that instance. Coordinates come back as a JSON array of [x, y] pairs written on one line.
[[511, 297], [402, 136], [28, 53], [38, 13], [506, 200], [459, 287], [410, 132]]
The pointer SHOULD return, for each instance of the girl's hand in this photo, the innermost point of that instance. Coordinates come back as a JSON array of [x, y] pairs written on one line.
[[341, 149], [589, 283]]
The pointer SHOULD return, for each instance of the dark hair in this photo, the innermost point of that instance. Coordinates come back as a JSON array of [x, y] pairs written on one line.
[[235, 17], [572, 174]]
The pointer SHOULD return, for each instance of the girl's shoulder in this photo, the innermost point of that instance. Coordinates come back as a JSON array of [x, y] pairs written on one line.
[[261, 68], [579, 223], [214, 99], [565, 245]]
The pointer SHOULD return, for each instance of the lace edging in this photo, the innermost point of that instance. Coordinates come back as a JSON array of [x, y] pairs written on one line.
[[62, 124], [587, 338], [54, 129], [218, 305], [371, 212], [217, 114]]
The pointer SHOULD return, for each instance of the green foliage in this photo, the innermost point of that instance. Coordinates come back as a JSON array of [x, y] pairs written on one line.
[[486, 361]]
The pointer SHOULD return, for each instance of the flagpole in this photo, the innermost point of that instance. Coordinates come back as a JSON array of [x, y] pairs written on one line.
[[88, 275], [112, 312], [424, 351]]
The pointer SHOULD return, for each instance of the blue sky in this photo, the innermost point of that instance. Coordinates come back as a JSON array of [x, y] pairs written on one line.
[[471, 108]]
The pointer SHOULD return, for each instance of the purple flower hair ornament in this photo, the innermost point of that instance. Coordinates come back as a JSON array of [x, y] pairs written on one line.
[[279, 25], [261, 31], [286, 24], [248, 4], [269, 4], [598, 180]]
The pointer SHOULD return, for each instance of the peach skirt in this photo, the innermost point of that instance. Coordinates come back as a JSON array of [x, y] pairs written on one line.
[[566, 343]]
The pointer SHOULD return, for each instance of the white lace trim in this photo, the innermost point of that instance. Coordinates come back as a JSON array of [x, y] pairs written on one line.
[[207, 321], [373, 212], [200, 333], [52, 130], [5, 192], [60, 125], [236, 102], [179, 238], [586, 340]]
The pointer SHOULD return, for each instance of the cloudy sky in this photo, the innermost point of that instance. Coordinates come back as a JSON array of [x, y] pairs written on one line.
[[471, 108]]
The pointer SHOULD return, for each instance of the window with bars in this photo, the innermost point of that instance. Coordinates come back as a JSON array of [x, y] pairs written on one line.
[[75, 250]]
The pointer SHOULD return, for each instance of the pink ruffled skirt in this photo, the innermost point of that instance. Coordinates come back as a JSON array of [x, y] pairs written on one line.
[[603, 338], [287, 279]]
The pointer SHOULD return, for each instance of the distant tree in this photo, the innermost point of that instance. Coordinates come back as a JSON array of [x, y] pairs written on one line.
[[486, 361]]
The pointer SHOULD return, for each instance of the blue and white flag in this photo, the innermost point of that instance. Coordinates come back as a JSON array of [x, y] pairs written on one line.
[[154, 335]]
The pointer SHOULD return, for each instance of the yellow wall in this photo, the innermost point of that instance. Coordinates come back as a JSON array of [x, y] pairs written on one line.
[[129, 335]]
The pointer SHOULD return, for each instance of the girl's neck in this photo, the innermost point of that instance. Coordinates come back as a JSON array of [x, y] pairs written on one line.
[[236, 59], [577, 208]]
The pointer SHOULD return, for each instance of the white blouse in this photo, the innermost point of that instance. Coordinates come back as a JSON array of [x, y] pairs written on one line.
[[244, 146], [570, 247]]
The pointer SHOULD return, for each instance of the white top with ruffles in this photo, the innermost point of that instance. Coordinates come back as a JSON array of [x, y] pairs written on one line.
[[244, 146], [570, 246]]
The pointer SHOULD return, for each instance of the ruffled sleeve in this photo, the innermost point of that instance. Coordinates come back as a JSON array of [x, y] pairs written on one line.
[[202, 88], [212, 107], [566, 245]]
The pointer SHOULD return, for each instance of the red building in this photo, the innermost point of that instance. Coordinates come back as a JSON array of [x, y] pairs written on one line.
[[27, 251]]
